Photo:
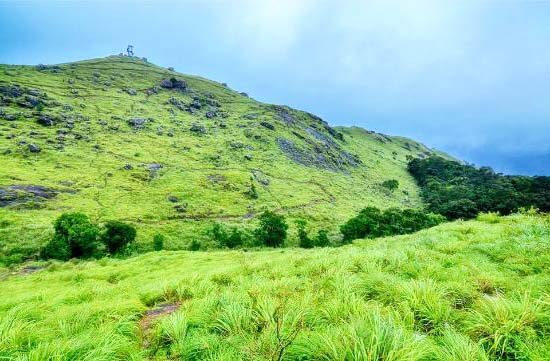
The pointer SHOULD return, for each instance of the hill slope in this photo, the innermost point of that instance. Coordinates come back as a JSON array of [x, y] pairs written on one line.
[[117, 139], [473, 290]]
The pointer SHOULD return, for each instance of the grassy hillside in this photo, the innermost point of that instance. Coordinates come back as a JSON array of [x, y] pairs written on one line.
[[473, 290], [105, 138]]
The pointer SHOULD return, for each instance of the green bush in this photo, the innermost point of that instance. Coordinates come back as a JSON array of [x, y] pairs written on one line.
[[303, 239], [272, 229], [391, 184], [194, 245], [322, 239], [371, 222], [75, 237], [365, 223], [117, 235], [225, 239], [158, 242], [235, 239], [219, 235]]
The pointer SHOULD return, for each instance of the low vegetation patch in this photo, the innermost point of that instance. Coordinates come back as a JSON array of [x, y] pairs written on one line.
[[77, 237], [371, 222]]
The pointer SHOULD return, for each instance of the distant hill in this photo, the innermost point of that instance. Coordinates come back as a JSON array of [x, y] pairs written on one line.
[[121, 138]]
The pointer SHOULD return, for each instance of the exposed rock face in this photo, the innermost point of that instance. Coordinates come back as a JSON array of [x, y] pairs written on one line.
[[12, 91], [284, 114], [33, 148], [137, 123], [46, 120], [178, 103], [20, 194], [267, 125], [173, 83], [198, 128], [334, 159], [153, 169]]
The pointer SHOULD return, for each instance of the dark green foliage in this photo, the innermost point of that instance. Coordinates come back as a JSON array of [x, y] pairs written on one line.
[[462, 191], [219, 235], [75, 237], [272, 229], [303, 239], [194, 245], [322, 239], [225, 238], [365, 223], [57, 248], [371, 222], [391, 184], [117, 235], [158, 242], [235, 238]]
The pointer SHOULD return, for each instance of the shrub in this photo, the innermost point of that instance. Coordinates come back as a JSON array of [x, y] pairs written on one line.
[[219, 235], [75, 237], [158, 242], [365, 223], [117, 235], [371, 222], [272, 229], [194, 245], [391, 184], [225, 239], [322, 239], [235, 239], [252, 192], [303, 239]]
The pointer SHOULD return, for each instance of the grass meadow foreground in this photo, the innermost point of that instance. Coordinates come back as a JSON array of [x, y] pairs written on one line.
[[475, 290]]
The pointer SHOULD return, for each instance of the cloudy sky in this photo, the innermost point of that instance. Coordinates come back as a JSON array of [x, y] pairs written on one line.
[[468, 77]]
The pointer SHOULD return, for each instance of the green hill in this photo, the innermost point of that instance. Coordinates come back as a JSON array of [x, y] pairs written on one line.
[[475, 290], [120, 138]]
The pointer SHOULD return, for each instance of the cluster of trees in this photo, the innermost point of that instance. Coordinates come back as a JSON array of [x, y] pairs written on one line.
[[371, 222], [272, 231], [76, 236], [458, 190]]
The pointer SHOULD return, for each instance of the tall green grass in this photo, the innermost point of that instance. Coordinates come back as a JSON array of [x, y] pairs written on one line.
[[461, 291]]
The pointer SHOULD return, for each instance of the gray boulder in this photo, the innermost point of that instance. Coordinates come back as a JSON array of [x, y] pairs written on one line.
[[33, 148], [198, 128], [46, 120], [137, 123]]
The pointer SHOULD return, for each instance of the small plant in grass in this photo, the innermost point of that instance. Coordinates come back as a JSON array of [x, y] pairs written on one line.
[[117, 235], [158, 242], [75, 237], [489, 217], [272, 229], [252, 192]]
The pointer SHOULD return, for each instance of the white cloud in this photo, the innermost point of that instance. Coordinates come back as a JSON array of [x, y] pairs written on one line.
[[263, 30]]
